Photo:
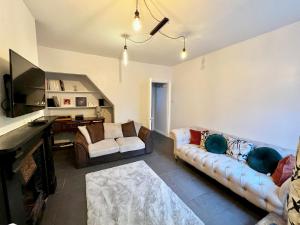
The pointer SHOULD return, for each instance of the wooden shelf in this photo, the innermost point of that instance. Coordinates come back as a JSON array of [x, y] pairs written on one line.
[[73, 107], [78, 107], [71, 92]]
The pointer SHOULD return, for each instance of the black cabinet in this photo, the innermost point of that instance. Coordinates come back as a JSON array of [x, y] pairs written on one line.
[[27, 174]]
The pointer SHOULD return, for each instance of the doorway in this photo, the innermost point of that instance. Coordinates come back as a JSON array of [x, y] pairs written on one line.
[[160, 107]]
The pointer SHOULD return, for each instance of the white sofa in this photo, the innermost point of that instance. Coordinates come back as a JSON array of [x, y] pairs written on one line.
[[256, 187]]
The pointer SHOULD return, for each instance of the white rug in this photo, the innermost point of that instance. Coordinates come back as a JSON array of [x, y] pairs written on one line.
[[133, 194]]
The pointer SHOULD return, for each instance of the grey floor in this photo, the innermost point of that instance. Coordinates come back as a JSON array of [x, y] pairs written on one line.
[[212, 202]]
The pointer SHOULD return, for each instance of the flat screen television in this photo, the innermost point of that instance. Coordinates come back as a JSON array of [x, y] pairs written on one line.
[[25, 86]]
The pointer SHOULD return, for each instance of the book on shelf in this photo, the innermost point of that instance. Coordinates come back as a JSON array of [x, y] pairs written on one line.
[[55, 85], [62, 85]]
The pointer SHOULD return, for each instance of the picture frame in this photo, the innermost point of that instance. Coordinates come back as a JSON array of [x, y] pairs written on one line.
[[81, 101], [67, 102]]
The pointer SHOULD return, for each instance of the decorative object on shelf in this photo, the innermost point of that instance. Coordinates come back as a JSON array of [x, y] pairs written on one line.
[[137, 27], [75, 88], [56, 102], [98, 111], [50, 102], [67, 102], [101, 102], [80, 101]]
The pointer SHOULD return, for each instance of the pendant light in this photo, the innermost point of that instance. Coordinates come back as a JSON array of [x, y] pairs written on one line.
[[183, 53], [137, 25], [125, 53]]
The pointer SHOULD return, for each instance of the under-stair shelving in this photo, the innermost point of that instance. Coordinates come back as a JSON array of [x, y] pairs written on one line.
[[74, 86]]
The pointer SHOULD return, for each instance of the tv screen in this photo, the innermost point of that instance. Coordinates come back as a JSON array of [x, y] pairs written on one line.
[[28, 86]]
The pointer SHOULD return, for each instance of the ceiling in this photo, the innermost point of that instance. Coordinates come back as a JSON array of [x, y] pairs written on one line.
[[95, 26]]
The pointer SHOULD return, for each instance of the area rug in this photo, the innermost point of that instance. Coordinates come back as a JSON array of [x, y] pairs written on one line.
[[133, 194]]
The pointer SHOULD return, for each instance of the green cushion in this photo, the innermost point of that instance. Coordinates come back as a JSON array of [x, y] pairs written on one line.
[[216, 143], [264, 159]]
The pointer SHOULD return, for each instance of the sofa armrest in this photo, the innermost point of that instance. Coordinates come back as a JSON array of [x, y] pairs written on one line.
[[146, 136], [180, 136], [81, 151]]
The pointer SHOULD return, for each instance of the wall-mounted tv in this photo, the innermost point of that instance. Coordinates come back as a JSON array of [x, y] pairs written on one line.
[[25, 87]]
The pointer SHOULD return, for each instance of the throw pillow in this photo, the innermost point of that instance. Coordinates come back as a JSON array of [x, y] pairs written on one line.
[[195, 137], [128, 129], [96, 132], [238, 149], [85, 133], [284, 170], [204, 135], [264, 160], [112, 130], [216, 143]]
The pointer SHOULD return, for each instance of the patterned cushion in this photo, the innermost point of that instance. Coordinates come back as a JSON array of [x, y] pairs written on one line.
[[238, 149], [293, 203], [204, 135]]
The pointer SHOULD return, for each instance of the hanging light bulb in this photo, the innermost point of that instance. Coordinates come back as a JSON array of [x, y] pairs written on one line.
[[137, 25], [183, 53], [125, 54]]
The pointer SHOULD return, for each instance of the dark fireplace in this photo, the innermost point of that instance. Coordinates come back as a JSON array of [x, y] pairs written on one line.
[[33, 187], [27, 175]]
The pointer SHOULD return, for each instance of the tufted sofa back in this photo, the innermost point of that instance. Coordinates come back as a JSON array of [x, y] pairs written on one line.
[[184, 134]]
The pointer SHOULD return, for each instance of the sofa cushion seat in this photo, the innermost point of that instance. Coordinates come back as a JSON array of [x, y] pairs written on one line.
[[104, 147], [127, 144], [235, 175]]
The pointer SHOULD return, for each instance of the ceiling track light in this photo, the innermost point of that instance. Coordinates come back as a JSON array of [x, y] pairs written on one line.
[[159, 26]]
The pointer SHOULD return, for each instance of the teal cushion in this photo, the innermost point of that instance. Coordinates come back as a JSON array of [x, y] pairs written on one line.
[[216, 143], [264, 159]]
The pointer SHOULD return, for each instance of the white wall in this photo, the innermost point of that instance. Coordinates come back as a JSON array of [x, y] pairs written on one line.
[[250, 89], [128, 88], [18, 33]]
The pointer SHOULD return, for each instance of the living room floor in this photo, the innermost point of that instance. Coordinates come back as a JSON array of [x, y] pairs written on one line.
[[212, 202]]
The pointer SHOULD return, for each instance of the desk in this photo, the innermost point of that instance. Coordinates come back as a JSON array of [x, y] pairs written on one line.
[[70, 125]]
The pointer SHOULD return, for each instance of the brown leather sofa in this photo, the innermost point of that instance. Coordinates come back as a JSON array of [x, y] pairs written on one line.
[[82, 158]]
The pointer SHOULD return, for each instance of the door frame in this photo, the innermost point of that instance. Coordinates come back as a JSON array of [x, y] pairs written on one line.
[[168, 115]]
